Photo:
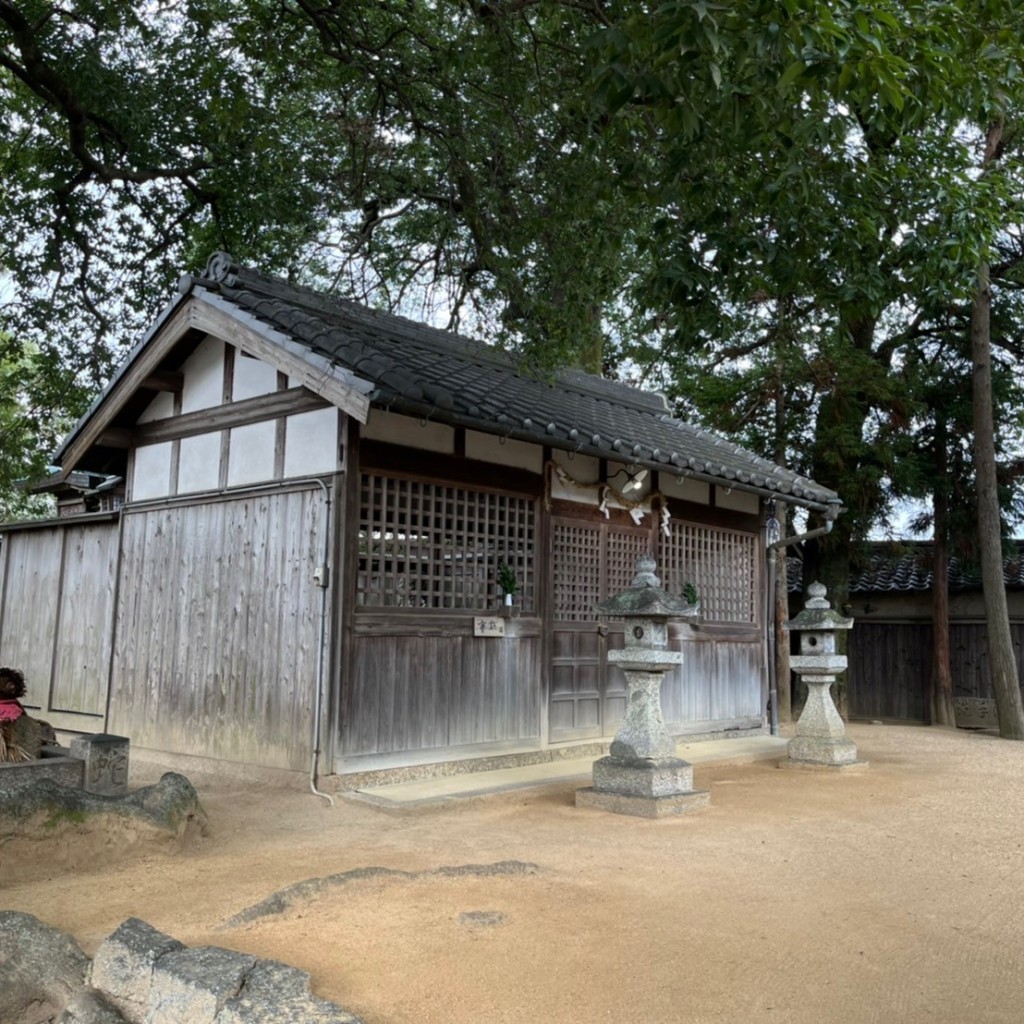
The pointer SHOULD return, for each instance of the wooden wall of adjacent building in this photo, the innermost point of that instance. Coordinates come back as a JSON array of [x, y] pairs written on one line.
[[890, 666], [217, 626], [56, 613]]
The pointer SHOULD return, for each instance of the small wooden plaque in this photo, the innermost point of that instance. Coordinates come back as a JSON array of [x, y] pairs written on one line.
[[490, 625]]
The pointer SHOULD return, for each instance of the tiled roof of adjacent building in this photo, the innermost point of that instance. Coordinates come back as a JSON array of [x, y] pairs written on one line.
[[424, 371], [911, 571]]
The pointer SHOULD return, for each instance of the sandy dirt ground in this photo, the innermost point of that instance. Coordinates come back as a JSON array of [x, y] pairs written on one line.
[[893, 895]]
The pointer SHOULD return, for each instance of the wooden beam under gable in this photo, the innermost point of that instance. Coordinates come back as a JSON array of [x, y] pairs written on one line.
[[214, 315], [234, 414], [208, 313], [164, 380], [147, 362]]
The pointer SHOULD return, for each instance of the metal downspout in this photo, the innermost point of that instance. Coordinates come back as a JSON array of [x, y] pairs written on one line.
[[322, 579]]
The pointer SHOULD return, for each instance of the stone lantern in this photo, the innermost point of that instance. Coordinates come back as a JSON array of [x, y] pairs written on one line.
[[641, 774], [820, 739]]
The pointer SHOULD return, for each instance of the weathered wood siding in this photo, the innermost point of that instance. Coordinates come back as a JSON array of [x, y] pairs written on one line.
[[217, 627], [890, 666], [721, 680], [57, 616], [420, 683]]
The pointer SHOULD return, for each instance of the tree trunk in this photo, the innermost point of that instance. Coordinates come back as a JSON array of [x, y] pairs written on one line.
[[942, 712], [1000, 643]]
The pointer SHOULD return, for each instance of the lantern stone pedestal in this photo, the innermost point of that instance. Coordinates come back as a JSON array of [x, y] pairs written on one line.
[[820, 740], [641, 775]]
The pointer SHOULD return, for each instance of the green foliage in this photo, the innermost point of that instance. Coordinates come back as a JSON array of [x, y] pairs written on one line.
[[31, 387], [507, 579], [765, 207]]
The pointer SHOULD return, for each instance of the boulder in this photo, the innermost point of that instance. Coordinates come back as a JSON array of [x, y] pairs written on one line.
[[41, 969]]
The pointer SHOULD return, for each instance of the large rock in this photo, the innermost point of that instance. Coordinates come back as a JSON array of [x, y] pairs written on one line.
[[90, 1007], [41, 969], [125, 962], [193, 984], [275, 993], [171, 806], [142, 976]]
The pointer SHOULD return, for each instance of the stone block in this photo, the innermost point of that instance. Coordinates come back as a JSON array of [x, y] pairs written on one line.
[[17, 775], [106, 763], [193, 985], [41, 969], [818, 766], [275, 993], [643, 806], [90, 1007], [822, 750], [124, 964], [975, 713], [658, 778]]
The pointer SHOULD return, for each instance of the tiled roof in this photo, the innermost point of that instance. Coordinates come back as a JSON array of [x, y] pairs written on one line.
[[427, 372], [911, 572]]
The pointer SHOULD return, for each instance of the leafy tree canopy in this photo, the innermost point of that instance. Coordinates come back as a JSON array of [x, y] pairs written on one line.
[[764, 206]]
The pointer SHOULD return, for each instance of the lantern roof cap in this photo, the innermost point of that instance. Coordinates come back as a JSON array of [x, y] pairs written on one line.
[[817, 614], [645, 598]]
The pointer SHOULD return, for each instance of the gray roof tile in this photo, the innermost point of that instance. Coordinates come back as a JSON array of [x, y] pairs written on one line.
[[425, 371]]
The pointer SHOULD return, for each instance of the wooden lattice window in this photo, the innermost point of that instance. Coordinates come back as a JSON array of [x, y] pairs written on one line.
[[624, 548], [437, 546], [576, 562], [721, 564], [590, 564]]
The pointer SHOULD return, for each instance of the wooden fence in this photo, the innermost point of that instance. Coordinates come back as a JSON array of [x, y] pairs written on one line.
[[890, 666], [57, 592]]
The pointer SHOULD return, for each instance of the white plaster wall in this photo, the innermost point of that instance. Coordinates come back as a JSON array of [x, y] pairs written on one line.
[[251, 453], [252, 377], [204, 377], [311, 443], [199, 463], [407, 430], [151, 477], [160, 408], [584, 468], [741, 501], [686, 489], [488, 448]]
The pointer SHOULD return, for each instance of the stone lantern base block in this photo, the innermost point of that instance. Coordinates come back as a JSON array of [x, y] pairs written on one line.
[[818, 766], [823, 750], [668, 776], [653, 788], [643, 806]]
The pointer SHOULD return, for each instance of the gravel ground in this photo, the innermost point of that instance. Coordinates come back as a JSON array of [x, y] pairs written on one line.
[[895, 894]]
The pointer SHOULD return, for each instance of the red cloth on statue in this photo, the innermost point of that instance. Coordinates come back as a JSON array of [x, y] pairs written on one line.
[[10, 710]]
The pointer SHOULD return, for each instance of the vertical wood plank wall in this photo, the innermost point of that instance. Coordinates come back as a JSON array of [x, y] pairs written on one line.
[[721, 680], [420, 683], [217, 628], [56, 618], [890, 666]]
